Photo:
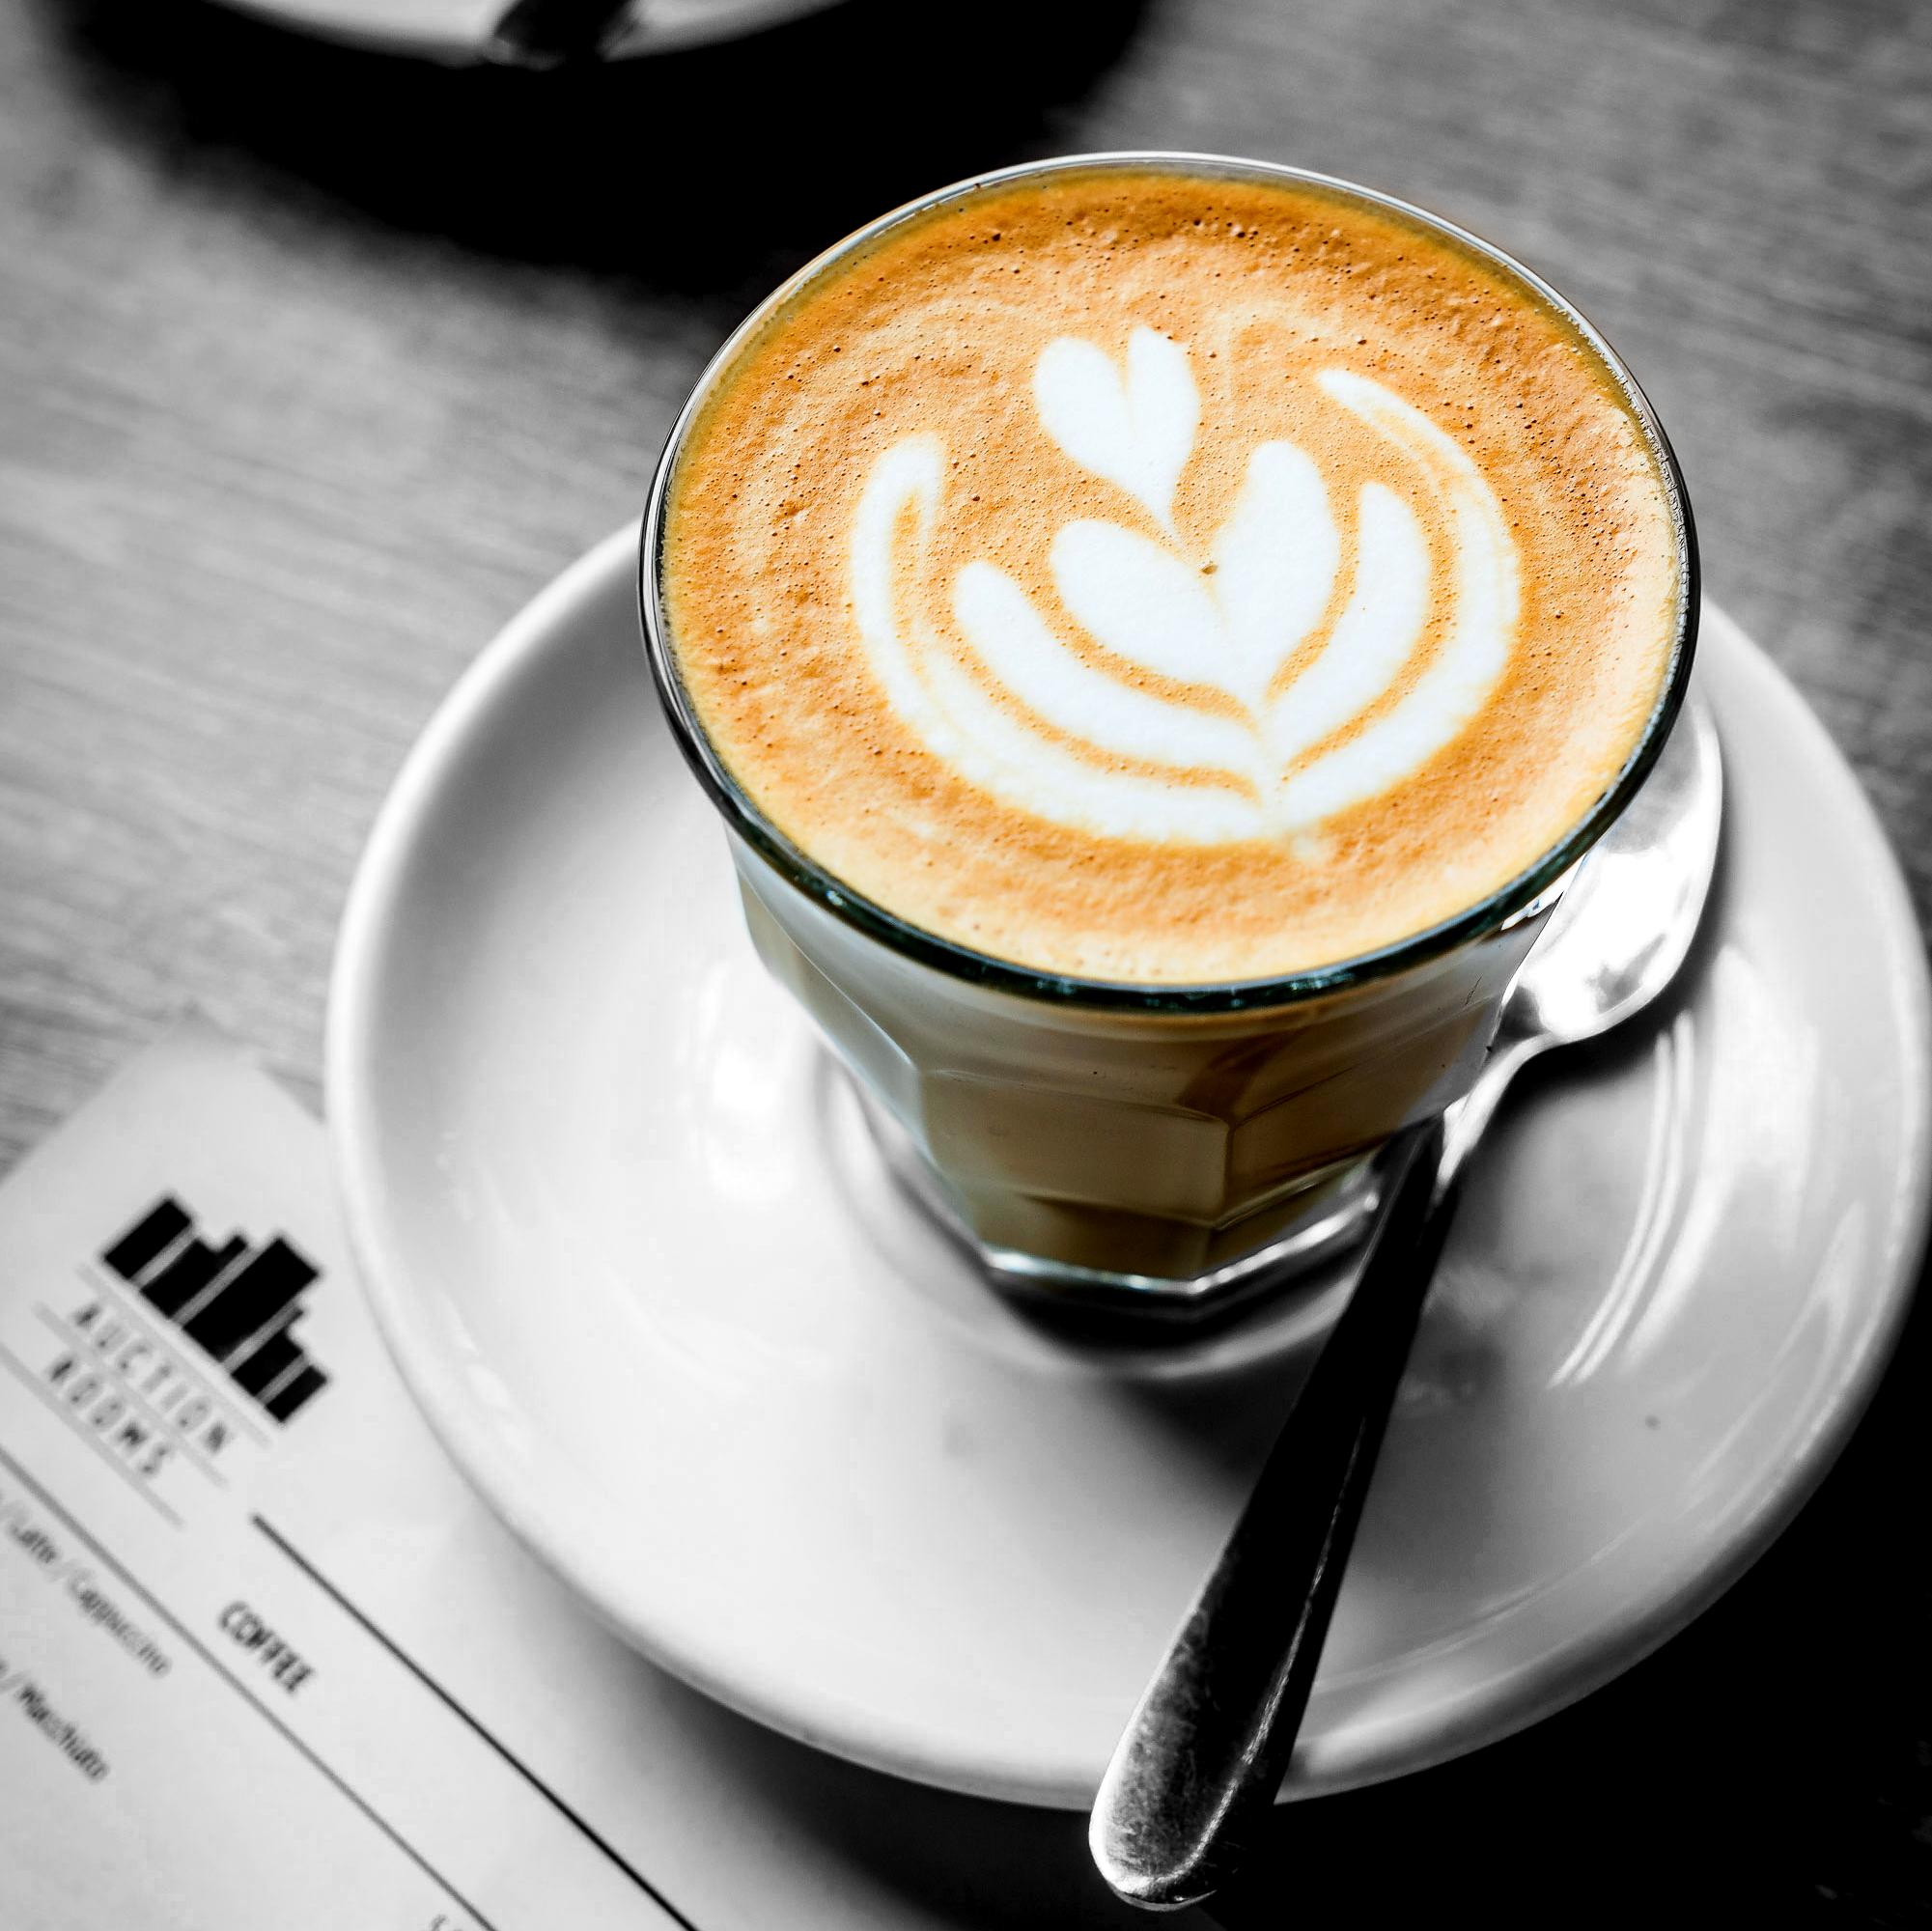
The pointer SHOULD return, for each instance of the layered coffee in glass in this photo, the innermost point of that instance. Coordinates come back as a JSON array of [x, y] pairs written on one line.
[[1158, 629]]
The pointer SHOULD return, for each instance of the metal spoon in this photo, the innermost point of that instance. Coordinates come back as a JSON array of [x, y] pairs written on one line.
[[1198, 1767]]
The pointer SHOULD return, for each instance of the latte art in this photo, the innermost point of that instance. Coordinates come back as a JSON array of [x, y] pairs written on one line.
[[1142, 576], [1025, 711]]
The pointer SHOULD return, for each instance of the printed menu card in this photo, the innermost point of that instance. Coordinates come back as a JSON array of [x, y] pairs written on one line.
[[265, 1659]]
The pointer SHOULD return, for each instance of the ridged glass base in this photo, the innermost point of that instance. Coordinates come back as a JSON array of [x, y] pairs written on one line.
[[1334, 1216]]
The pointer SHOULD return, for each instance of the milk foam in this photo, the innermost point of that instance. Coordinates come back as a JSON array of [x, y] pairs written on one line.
[[1151, 577], [1232, 628]]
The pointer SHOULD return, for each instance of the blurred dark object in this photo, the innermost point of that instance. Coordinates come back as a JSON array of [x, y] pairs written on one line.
[[706, 167], [552, 32]]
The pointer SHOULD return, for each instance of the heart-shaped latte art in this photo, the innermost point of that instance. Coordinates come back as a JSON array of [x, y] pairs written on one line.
[[1138, 430], [1053, 730]]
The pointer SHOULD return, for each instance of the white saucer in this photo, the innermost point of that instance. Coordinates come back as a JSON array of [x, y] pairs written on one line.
[[454, 31], [632, 1259]]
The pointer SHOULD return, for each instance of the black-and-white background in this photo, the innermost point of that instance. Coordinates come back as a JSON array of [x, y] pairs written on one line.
[[314, 363]]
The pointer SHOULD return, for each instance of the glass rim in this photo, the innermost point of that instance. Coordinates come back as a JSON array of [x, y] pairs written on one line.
[[963, 962]]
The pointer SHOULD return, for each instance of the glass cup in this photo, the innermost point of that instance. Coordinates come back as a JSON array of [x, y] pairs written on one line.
[[1160, 1147]]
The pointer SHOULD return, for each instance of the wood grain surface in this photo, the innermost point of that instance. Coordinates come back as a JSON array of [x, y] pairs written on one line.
[[313, 366]]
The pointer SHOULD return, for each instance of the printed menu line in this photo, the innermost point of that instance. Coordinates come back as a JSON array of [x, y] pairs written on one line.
[[268, 1716], [502, 1749], [47, 1395]]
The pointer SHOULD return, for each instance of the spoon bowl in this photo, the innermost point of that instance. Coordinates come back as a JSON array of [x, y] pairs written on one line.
[[1622, 932]]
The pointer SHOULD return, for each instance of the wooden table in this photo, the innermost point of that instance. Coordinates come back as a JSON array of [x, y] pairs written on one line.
[[313, 366]]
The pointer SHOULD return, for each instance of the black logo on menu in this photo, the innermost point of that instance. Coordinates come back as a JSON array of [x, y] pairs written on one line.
[[238, 1304]]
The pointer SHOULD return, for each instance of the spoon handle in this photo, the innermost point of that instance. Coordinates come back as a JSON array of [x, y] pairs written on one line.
[[1198, 1766]]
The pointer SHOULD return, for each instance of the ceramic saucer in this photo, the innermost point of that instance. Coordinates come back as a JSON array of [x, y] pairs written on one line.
[[624, 1234], [454, 31]]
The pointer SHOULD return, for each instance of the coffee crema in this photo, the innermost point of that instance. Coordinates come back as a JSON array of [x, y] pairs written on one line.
[[1165, 577]]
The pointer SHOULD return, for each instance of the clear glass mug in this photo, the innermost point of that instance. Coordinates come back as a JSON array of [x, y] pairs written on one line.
[[1153, 1146]]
